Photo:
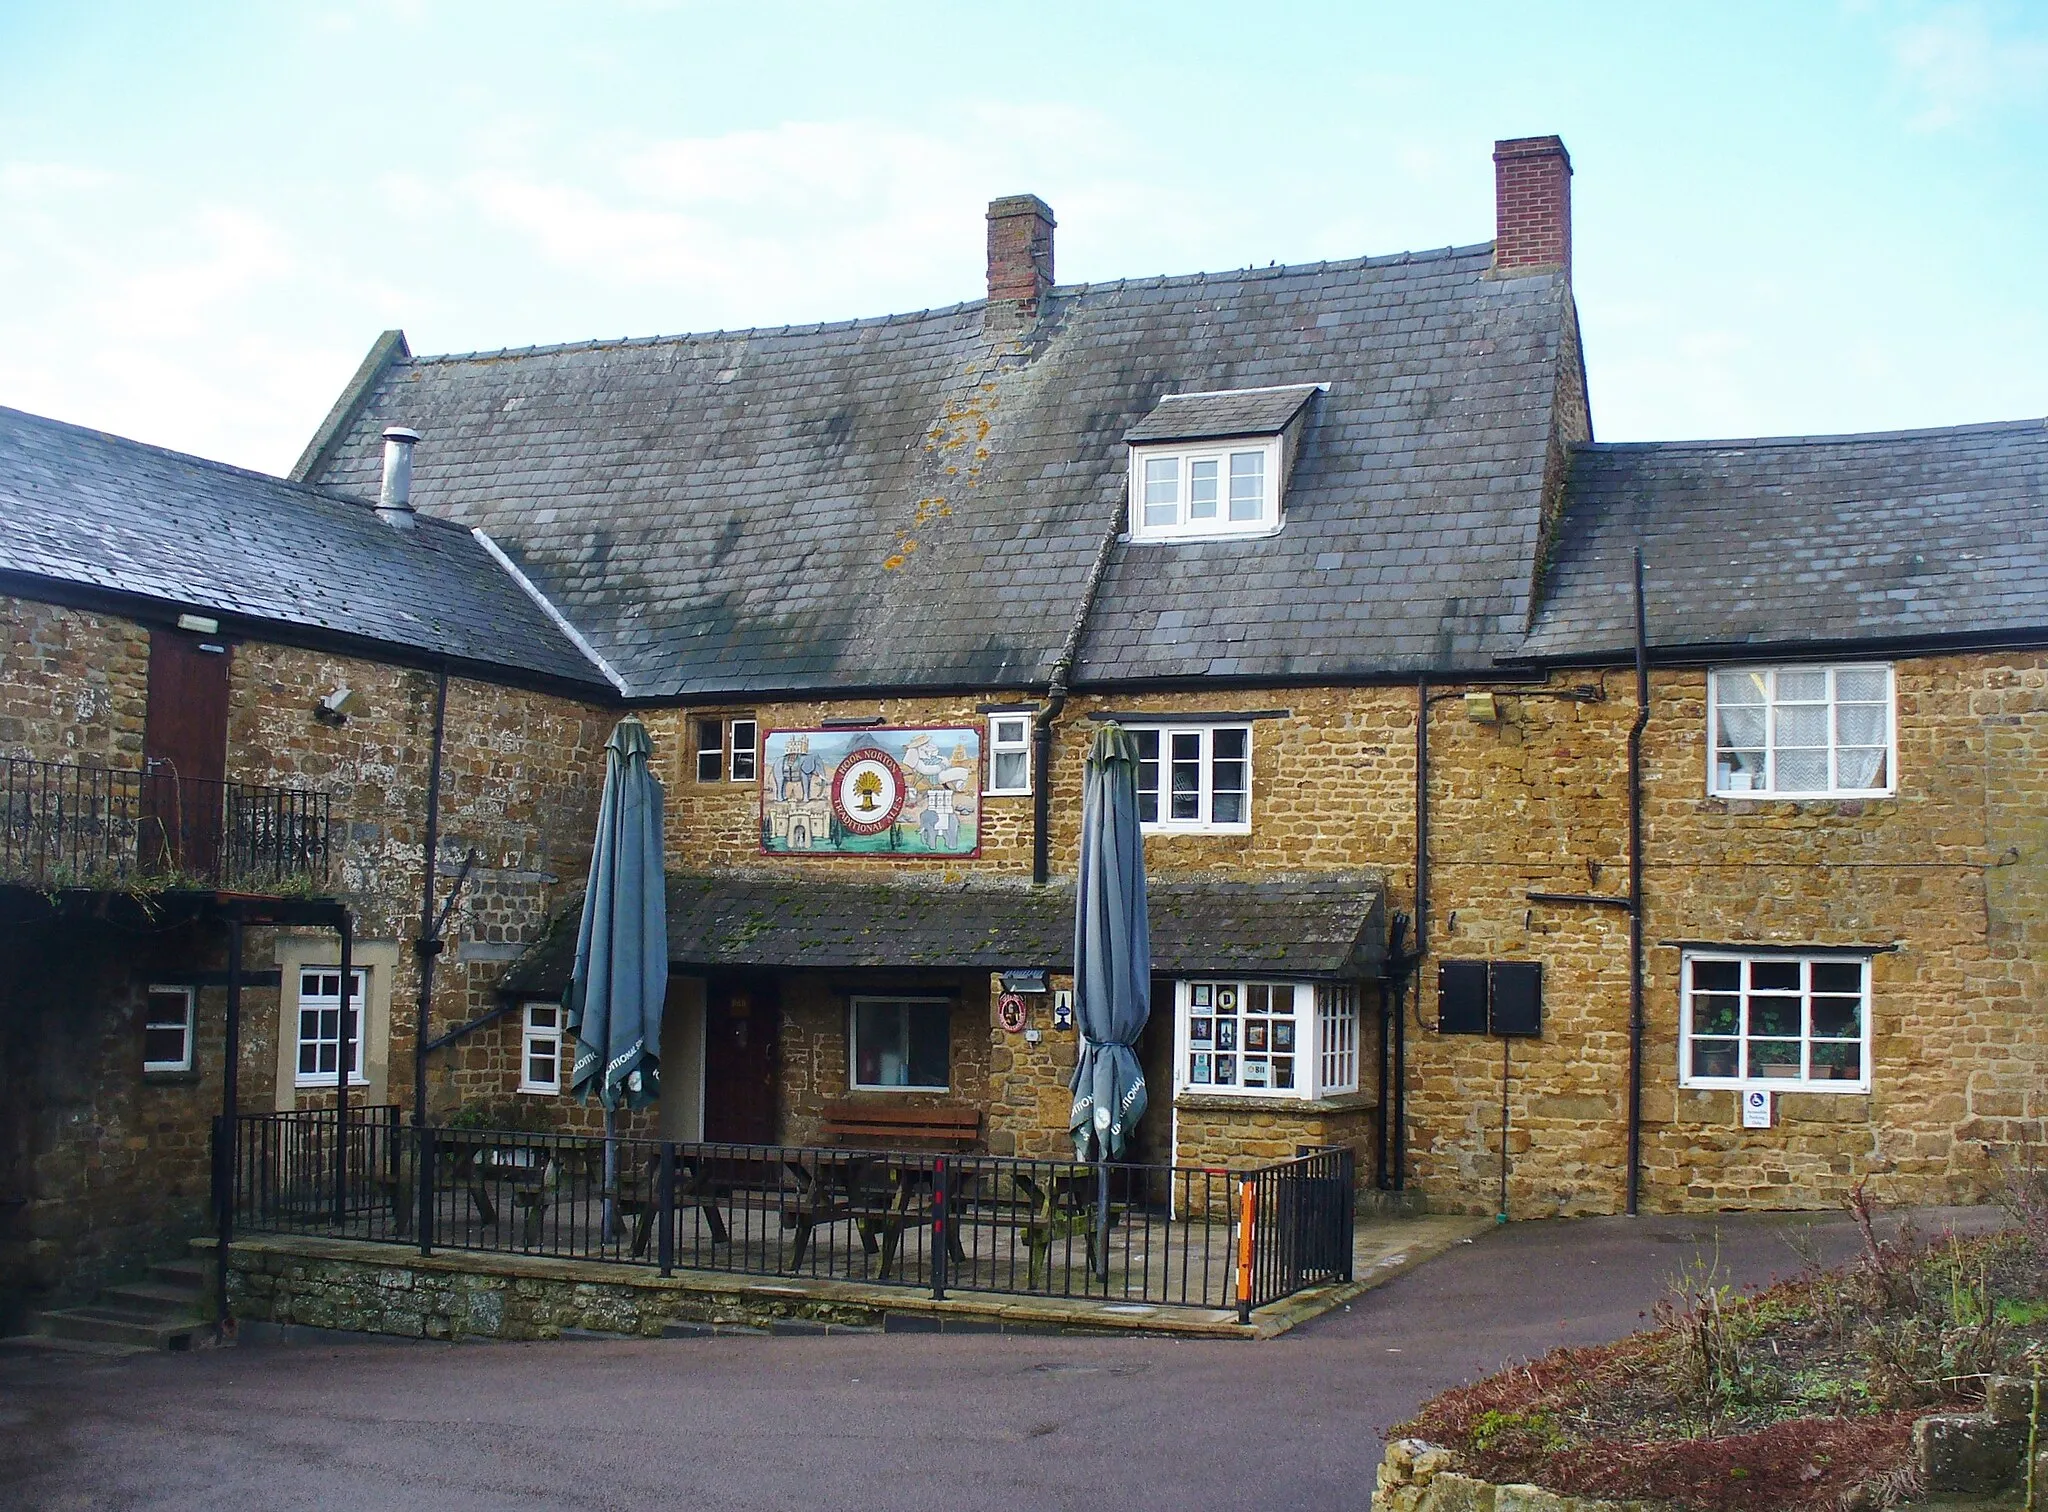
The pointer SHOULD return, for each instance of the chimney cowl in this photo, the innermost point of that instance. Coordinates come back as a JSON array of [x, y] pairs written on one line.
[[394, 501], [1020, 228], [1532, 182]]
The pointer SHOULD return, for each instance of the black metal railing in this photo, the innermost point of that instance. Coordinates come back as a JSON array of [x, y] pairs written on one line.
[[86, 826], [1131, 1236]]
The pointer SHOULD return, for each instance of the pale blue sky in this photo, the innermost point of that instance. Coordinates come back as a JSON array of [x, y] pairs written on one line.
[[1791, 217]]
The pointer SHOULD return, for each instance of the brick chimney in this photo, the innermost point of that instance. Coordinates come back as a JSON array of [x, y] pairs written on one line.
[[1019, 258], [1532, 194]]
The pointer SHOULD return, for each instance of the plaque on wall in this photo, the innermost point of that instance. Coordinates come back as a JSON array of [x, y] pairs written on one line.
[[894, 792]]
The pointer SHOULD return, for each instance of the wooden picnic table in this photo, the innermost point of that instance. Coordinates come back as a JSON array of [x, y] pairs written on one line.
[[1060, 1203]]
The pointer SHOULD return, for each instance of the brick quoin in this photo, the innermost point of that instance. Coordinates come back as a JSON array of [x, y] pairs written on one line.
[[1532, 178]]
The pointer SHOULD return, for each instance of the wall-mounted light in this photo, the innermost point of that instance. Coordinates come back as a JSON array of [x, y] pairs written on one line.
[[1482, 708], [334, 708], [199, 624]]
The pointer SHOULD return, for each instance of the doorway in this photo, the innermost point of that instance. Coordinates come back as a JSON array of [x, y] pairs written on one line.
[[184, 752], [1153, 1141], [742, 1040], [682, 1060]]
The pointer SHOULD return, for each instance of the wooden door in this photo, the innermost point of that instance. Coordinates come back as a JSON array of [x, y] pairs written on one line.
[[1152, 1142], [185, 751], [742, 1033]]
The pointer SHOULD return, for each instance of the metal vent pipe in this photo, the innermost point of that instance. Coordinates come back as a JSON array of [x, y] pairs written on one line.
[[394, 503]]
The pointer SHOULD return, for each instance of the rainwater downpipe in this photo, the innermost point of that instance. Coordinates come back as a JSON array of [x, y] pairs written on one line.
[[429, 943], [1635, 897], [1413, 964], [1055, 701]]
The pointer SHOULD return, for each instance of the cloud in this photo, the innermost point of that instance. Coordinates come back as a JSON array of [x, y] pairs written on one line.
[[1961, 67]]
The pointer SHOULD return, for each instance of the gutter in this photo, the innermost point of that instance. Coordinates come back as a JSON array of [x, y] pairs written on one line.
[[1056, 700]]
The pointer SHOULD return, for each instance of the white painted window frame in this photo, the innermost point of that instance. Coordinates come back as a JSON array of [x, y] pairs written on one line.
[[191, 998], [360, 993], [735, 748], [1164, 823], [1326, 1026], [1185, 454], [1020, 746], [532, 1035], [1805, 1081], [853, 1007], [1771, 705]]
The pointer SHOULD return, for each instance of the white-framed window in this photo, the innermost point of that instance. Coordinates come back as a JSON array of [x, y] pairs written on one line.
[[1802, 732], [728, 749], [902, 1044], [1779, 1022], [1265, 1039], [167, 1029], [540, 1058], [320, 1026], [1187, 492], [1196, 777], [1009, 755], [743, 747]]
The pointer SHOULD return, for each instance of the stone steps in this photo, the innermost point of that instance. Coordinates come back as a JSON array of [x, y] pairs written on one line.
[[161, 1312], [47, 1346]]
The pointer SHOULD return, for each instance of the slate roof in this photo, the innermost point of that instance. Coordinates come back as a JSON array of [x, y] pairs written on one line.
[[905, 503], [100, 512], [1314, 927], [1207, 417], [1803, 540]]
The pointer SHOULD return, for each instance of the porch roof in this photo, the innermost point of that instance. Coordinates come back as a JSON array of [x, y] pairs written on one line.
[[1327, 925]]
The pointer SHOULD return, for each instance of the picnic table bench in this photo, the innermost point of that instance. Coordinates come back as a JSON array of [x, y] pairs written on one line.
[[881, 1126]]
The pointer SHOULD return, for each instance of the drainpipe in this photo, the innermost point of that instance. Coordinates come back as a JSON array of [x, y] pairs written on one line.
[[1413, 961], [1056, 700], [429, 942], [225, 1142], [1635, 897]]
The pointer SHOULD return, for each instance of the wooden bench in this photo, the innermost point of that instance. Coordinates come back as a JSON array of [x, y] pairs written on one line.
[[881, 1126]]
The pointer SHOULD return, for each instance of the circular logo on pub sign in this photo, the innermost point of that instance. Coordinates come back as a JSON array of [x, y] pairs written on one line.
[[867, 792]]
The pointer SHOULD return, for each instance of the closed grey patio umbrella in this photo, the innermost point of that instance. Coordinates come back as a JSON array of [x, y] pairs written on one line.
[[620, 978], [1112, 952]]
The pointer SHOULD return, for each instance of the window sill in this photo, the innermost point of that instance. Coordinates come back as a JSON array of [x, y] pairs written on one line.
[[1006, 792], [169, 1078], [900, 1091], [1784, 1087], [1226, 1102], [527, 1091], [1149, 830]]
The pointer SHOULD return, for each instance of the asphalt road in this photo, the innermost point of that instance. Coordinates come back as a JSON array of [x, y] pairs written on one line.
[[854, 1422]]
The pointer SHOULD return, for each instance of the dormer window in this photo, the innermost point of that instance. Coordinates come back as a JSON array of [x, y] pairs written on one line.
[[1214, 464], [1226, 491]]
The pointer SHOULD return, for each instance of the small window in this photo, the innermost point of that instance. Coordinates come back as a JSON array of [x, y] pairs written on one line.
[[1802, 732], [1009, 755], [1196, 779], [728, 749], [1776, 1022], [1266, 1039], [320, 1027], [167, 1029], [710, 750], [744, 743], [540, 1064], [1224, 490], [902, 1044]]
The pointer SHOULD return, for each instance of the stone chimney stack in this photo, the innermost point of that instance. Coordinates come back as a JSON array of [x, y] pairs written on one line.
[[1532, 194], [1020, 230]]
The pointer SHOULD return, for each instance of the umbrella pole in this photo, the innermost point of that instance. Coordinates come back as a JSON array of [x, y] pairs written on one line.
[[611, 1173], [1102, 1217]]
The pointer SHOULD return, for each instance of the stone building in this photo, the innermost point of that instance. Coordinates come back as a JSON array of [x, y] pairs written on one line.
[[1430, 876]]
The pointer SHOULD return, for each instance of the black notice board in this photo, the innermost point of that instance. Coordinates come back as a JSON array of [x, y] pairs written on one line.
[[1515, 999], [1461, 997]]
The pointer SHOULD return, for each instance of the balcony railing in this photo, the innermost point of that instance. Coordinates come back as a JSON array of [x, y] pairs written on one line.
[[64, 826]]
